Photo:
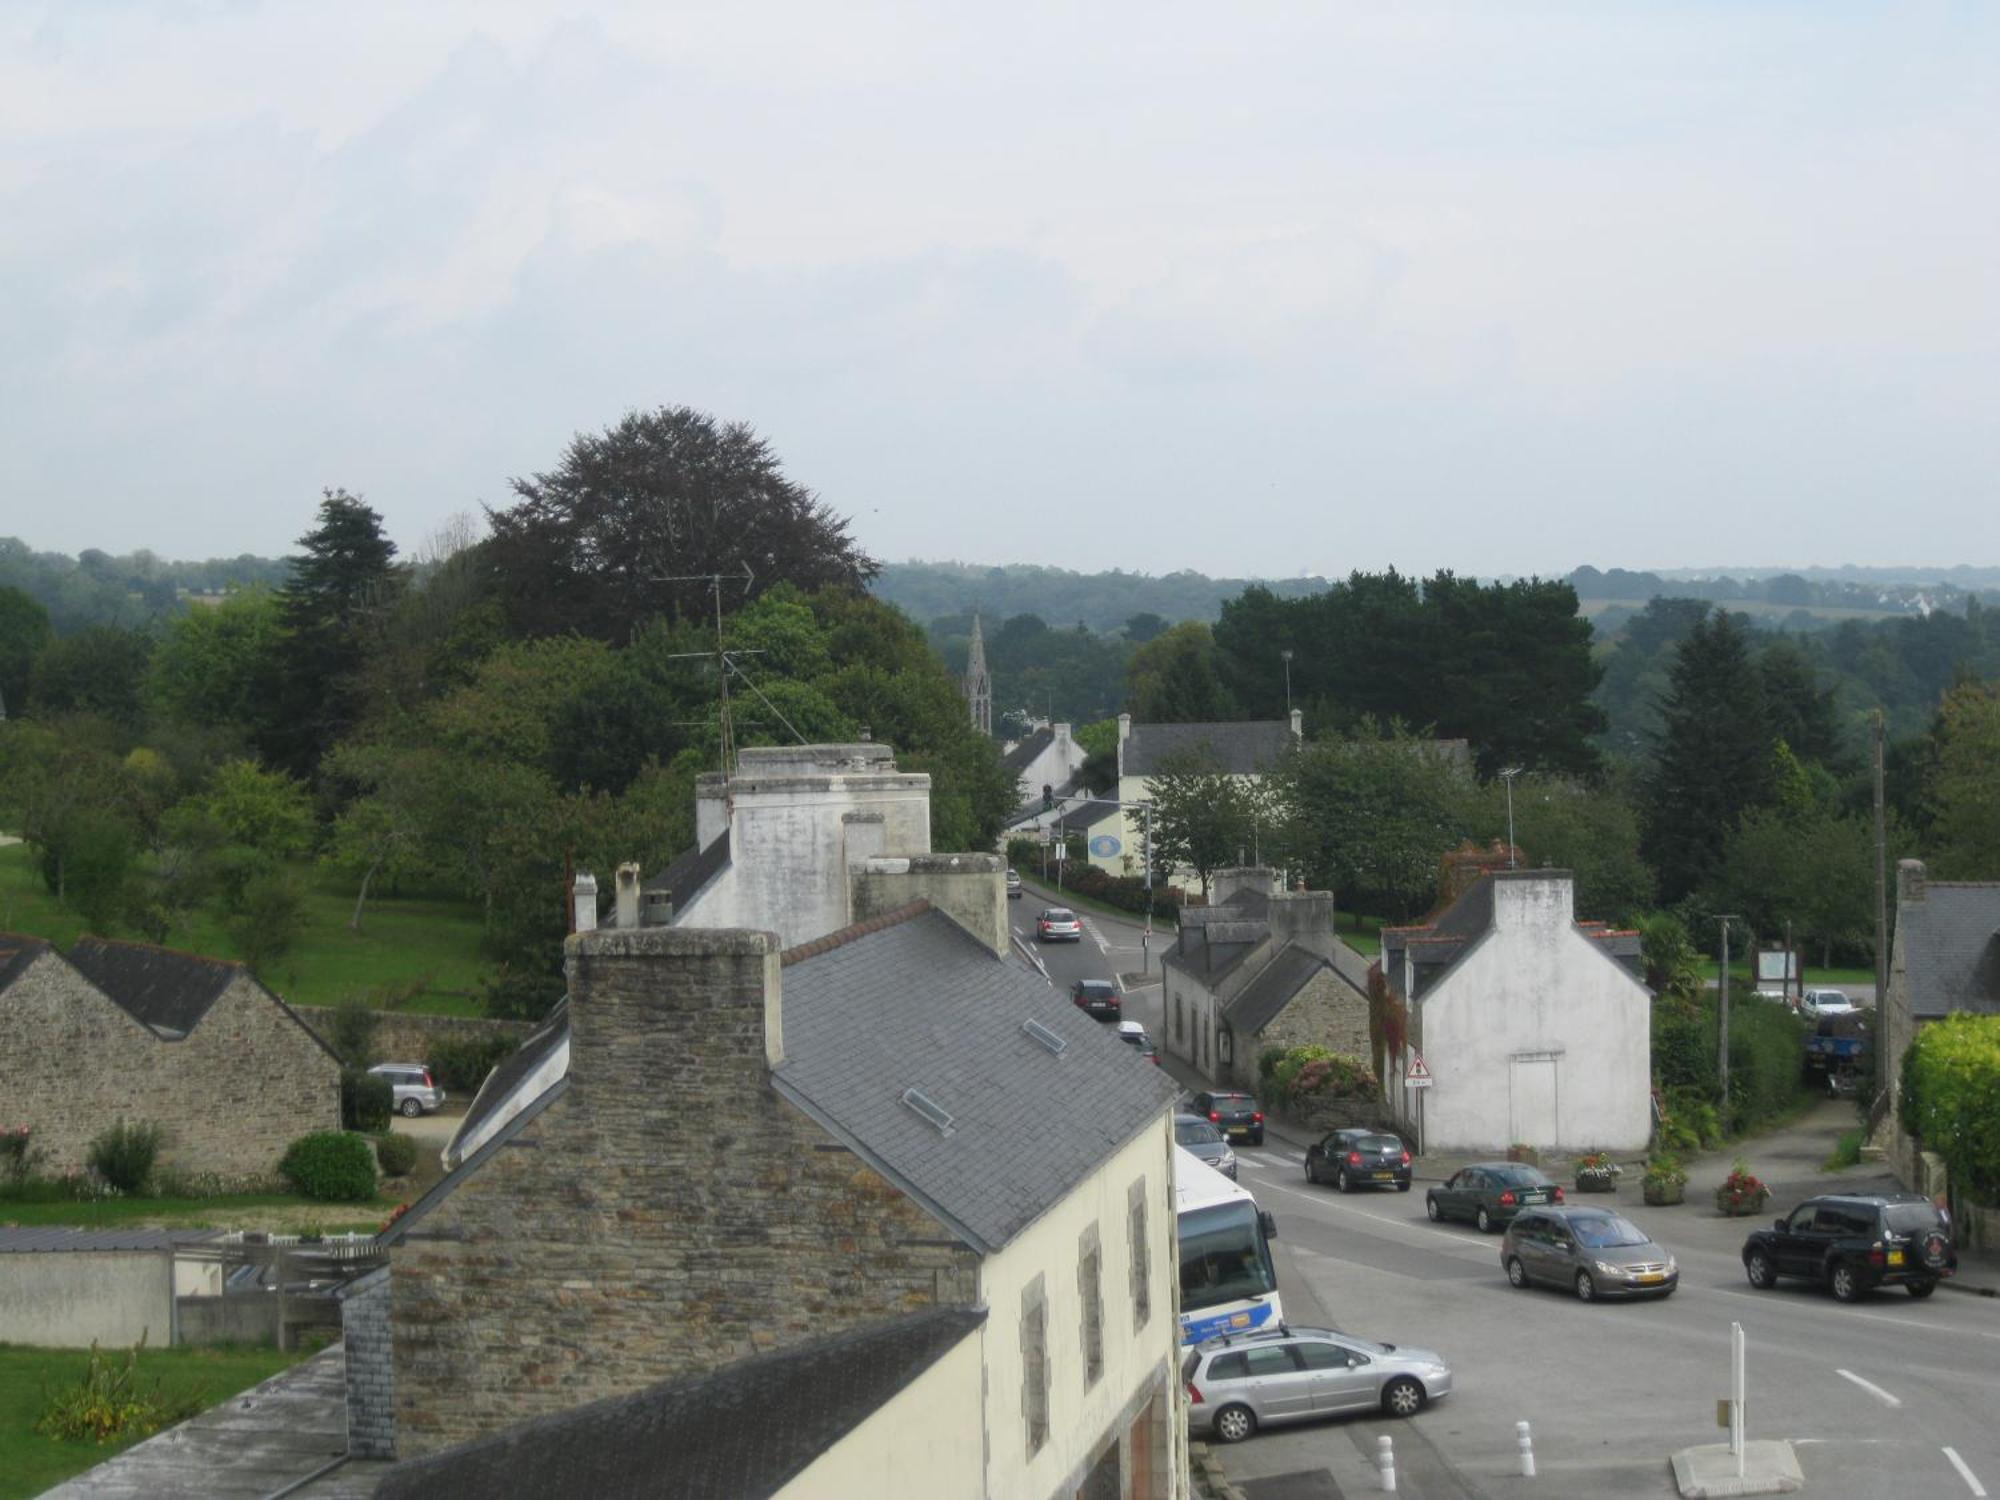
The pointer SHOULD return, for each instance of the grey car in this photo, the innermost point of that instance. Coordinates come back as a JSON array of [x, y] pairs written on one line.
[[1240, 1382], [1594, 1252], [415, 1090], [1203, 1140]]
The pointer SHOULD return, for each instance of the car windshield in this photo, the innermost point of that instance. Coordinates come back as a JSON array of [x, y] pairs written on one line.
[[1095, 988], [1058, 914], [1912, 1218], [1230, 1101], [1607, 1232], [1197, 1133], [1515, 1175], [1377, 1143]]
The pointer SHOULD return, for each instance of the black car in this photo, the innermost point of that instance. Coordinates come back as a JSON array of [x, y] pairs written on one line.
[[1357, 1158], [1097, 996], [1855, 1243], [1490, 1193], [1232, 1113]]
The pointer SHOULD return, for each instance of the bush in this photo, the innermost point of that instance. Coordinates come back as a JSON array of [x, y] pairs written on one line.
[[1767, 1049], [124, 1156], [460, 1064], [334, 1166], [1951, 1094], [520, 994], [366, 1100], [397, 1153], [109, 1403], [353, 1032], [1301, 1072], [1126, 892]]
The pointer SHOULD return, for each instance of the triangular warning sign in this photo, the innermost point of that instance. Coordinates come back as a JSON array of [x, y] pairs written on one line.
[[1417, 1069]]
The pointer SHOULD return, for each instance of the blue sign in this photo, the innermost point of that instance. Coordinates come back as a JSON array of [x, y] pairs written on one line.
[[1195, 1328], [1105, 845]]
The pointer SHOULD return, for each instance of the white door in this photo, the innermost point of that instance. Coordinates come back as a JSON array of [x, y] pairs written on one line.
[[1533, 1095]]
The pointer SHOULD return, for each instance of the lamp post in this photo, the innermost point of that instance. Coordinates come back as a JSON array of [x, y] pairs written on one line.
[[1508, 776], [1722, 1010], [1286, 657]]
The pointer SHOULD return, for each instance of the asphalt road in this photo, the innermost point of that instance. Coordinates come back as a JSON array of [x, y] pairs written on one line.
[[1890, 1397]]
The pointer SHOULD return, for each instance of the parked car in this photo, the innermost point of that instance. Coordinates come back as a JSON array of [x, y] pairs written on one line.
[[1355, 1158], [416, 1092], [1195, 1135], [1097, 996], [1594, 1252], [1058, 924], [1232, 1113], [1240, 1382], [1133, 1034], [1819, 1003], [1855, 1243], [1490, 1193], [1013, 885]]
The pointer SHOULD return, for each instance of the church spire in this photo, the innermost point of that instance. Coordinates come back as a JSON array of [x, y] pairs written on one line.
[[978, 684]]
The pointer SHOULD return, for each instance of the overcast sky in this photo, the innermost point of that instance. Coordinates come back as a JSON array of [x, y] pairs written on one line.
[[1246, 288]]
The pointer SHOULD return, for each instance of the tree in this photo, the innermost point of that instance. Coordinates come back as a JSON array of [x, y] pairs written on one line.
[[224, 664], [1204, 819], [1173, 679], [1590, 828], [596, 543], [266, 811], [24, 634], [59, 780], [99, 671], [1712, 758], [1812, 868], [332, 607], [1801, 712], [1963, 784], [1145, 626]]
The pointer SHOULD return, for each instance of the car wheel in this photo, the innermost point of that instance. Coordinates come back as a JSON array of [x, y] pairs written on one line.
[[1586, 1289], [1922, 1288], [1340, 1182], [1403, 1397], [1757, 1266], [1311, 1175], [410, 1108], [1234, 1423], [1846, 1285], [1484, 1220], [1516, 1272], [1431, 1208]]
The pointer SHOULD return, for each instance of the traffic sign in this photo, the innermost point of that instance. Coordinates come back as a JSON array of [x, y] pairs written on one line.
[[1419, 1076]]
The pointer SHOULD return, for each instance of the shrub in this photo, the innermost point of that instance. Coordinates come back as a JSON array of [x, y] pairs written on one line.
[[109, 1403], [1296, 1073], [1767, 1048], [124, 1156], [334, 1166], [18, 1155], [1951, 1094], [520, 994], [352, 1034], [366, 1101], [460, 1064], [1665, 1171], [1267, 1060], [397, 1153]]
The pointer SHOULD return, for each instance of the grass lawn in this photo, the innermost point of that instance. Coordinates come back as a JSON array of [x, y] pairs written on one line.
[[1362, 934], [31, 1463], [284, 1212], [405, 944]]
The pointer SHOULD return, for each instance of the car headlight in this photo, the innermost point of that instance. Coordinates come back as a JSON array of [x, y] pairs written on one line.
[[1672, 1265], [1610, 1270]]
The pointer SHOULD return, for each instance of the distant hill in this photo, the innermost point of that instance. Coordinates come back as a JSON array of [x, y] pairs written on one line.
[[1062, 597]]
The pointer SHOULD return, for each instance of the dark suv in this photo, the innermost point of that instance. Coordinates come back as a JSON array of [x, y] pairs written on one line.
[[1233, 1114], [1098, 997], [1354, 1158], [1855, 1244]]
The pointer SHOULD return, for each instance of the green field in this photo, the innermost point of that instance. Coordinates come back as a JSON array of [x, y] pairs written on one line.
[[405, 944], [269, 1211], [31, 1463]]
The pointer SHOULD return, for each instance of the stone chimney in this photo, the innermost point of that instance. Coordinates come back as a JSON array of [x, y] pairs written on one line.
[[1298, 723], [628, 897], [1225, 885], [1124, 734], [1912, 881], [690, 1014], [971, 889], [1306, 918], [1534, 898], [585, 894]]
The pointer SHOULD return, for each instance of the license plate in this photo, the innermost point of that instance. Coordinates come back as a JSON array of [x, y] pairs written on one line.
[[1239, 1130], [1895, 1257], [1538, 1196], [1385, 1176], [1652, 1276]]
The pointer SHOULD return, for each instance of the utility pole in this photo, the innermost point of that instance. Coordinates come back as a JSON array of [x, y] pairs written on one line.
[[1881, 881], [1508, 776], [1722, 1060], [1286, 657]]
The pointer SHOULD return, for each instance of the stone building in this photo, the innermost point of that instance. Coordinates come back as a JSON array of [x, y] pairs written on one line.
[[129, 1032], [978, 684], [1260, 967], [1536, 1028]]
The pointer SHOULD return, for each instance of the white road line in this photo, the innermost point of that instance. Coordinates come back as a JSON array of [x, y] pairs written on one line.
[[1965, 1472], [1764, 1299], [1971, 1480], [1871, 1388]]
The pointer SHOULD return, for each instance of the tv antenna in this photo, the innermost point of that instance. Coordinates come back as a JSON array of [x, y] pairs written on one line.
[[723, 666]]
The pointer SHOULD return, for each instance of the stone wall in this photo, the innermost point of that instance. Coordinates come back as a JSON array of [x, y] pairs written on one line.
[[1326, 1012], [229, 1097], [665, 1215], [402, 1037], [369, 1359]]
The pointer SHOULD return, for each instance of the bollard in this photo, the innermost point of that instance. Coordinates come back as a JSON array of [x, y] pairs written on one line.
[[1525, 1441], [1385, 1461]]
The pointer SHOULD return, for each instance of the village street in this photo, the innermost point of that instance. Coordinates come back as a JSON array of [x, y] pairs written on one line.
[[1878, 1397]]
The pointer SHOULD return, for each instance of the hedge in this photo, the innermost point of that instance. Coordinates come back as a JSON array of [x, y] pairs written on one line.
[[366, 1100], [397, 1153], [1767, 1050], [334, 1166], [460, 1065], [1951, 1097]]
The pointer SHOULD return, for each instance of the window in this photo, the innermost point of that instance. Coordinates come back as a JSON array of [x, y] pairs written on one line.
[[1229, 1367], [1090, 1297], [1317, 1356], [1141, 1255], [1035, 1365], [1271, 1362]]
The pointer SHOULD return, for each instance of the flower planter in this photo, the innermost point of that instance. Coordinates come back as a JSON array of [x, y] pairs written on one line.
[[1732, 1207], [1597, 1180], [1526, 1154], [1660, 1194]]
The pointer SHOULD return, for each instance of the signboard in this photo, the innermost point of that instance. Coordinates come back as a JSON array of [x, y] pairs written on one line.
[[1777, 965], [1419, 1076], [1106, 845]]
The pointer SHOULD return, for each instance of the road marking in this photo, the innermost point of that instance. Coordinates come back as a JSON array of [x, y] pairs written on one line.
[[1765, 1299], [1872, 1389], [1971, 1480]]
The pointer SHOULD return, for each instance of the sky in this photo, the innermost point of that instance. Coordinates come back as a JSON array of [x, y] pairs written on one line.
[[1256, 289]]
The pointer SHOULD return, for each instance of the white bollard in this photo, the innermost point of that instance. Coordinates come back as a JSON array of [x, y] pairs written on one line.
[[1385, 1461], [1525, 1441]]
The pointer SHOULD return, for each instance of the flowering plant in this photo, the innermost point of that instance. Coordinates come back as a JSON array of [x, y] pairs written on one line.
[[1741, 1193], [1595, 1161], [1665, 1170]]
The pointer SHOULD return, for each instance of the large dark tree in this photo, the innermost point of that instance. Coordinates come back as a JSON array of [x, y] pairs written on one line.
[[1802, 712], [1712, 758], [24, 631], [622, 528], [341, 588]]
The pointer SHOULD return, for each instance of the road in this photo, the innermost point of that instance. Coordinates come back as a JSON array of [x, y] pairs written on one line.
[[1886, 1398]]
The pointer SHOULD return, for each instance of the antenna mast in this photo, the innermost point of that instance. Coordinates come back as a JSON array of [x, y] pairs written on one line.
[[715, 582]]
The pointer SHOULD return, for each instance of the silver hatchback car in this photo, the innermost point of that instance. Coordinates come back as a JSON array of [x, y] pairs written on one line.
[[416, 1091], [1240, 1382]]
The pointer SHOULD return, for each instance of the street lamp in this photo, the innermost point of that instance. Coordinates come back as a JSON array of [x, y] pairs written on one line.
[[1286, 657], [1508, 776]]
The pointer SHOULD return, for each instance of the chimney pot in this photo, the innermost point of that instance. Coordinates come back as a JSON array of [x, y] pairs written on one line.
[[585, 893], [1912, 880], [628, 897], [1298, 723]]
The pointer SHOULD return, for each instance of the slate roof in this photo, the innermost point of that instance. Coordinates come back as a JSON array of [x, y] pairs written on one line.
[[1260, 1001], [682, 880], [1023, 755], [739, 1433], [162, 989], [1243, 746], [1434, 947], [53, 1238], [1215, 939], [922, 1005], [1951, 946], [16, 953], [1084, 817], [507, 1074]]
